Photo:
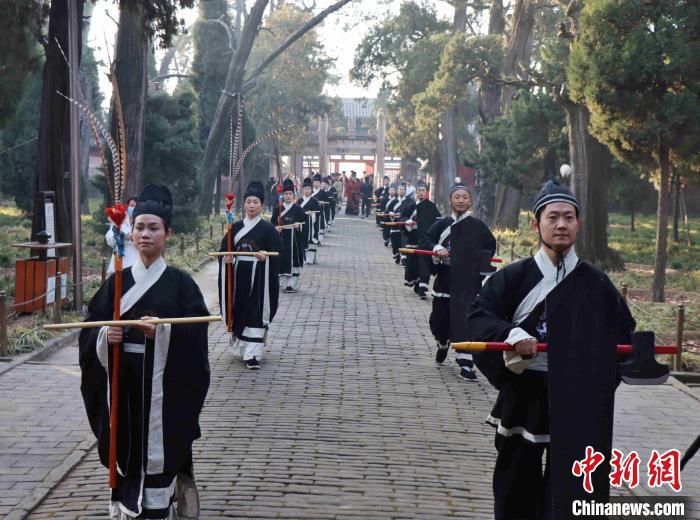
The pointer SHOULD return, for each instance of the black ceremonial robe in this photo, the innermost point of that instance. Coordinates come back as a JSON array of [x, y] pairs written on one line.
[[563, 399], [417, 273], [292, 256], [312, 209], [255, 284], [161, 388], [322, 197]]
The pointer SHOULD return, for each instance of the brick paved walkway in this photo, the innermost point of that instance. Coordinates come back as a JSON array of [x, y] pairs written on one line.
[[348, 418]]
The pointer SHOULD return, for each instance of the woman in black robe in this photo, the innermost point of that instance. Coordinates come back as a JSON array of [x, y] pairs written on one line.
[[311, 227], [164, 374], [292, 257], [255, 278]]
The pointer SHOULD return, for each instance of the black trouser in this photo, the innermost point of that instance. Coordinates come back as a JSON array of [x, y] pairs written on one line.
[[395, 244], [440, 319], [520, 486], [366, 201]]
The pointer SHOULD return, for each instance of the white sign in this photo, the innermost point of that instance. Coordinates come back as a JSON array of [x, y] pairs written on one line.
[[51, 288], [50, 227]]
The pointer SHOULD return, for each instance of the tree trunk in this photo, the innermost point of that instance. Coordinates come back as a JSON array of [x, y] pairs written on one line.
[[508, 198], [234, 84], [131, 68], [659, 282], [591, 162], [448, 148], [676, 203], [632, 229], [489, 107], [53, 146]]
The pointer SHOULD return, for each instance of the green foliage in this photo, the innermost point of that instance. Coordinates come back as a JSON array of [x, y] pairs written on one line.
[[635, 65], [18, 137], [390, 47], [20, 55], [404, 52], [172, 151], [462, 61], [290, 91], [526, 145], [162, 17]]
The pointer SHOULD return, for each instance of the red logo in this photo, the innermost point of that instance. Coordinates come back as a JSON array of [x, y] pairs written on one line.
[[665, 468], [584, 468], [624, 469]]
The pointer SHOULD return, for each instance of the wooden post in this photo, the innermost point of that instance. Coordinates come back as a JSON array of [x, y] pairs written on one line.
[[57, 299], [3, 324], [182, 244], [679, 337], [103, 274], [211, 232], [498, 248], [512, 250], [196, 241], [624, 291]]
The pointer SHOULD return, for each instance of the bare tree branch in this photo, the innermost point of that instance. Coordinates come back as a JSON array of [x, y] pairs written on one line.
[[229, 31], [289, 40]]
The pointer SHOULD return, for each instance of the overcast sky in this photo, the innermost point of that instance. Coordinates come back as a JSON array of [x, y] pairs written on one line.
[[357, 17]]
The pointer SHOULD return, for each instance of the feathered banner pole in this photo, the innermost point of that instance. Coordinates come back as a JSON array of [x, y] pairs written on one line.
[[117, 213], [236, 160]]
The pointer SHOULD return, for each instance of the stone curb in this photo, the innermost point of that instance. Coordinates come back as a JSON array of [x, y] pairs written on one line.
[[49, 348]]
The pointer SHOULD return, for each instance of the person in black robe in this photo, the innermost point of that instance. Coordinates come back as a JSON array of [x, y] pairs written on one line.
[[322, 198], [327, 196], [390, 216], [381, 197], [311, 227], [439, 239], [531, 301], [255, 278], [292, 257], [333, 197], [404, 205], [366, 196], [424, 215], [164, 374]]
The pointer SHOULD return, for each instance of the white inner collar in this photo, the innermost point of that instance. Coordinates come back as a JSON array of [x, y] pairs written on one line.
[[140, 271], [549, 270]]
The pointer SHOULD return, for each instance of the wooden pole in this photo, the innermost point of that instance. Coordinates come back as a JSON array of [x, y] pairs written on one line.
[[114, 388], [512, 250], [57, 299], [677, 365], [182, 244], [211, 232], [132, 323], [3, 324], [103, 273]]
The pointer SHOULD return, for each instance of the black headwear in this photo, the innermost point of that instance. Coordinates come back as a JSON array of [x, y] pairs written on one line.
[[287, 185], [459, 186], [552, 192], [421, 184], [308, 183], [317, 177], [155, 200], [255, 189]]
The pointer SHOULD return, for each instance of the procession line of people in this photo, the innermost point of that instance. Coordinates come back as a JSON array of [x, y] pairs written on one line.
[[549, 406]]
